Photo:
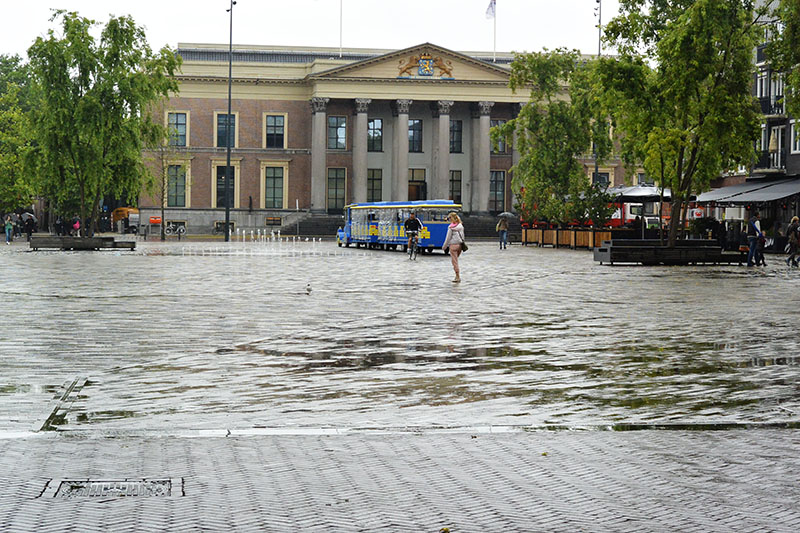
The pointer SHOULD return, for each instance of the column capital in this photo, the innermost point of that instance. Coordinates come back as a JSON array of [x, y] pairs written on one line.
[[441, 107], [485, 108], [319, 105], [401, 107], [362, 104]]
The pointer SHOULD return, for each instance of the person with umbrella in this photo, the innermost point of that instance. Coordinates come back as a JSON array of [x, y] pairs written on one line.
[[29, 225], [502, 229]]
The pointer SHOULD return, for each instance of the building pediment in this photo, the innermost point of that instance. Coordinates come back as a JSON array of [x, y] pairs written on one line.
[[425, 62]]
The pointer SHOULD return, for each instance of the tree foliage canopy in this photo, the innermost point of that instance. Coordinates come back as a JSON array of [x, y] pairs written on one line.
[[16, 188], [691, 115], [783, 50], [556, 125], [92, 120]]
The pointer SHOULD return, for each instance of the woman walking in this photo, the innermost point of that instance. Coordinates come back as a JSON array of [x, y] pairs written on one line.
[[9, 227], [454, 240]]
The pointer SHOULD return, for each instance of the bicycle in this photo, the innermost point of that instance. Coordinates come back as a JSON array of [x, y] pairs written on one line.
[[175, 229], [413, 247]]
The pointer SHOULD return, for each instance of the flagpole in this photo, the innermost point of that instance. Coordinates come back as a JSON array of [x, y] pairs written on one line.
[[340, 28], [494, 48]]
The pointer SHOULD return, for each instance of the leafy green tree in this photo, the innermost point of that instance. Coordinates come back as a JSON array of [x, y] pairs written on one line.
[[16, 188], [783, 50], [553, 128], [679, 90], [13, 71], [92, 120]]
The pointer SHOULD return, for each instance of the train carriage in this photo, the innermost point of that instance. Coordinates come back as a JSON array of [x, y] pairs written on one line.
[[379, 225]]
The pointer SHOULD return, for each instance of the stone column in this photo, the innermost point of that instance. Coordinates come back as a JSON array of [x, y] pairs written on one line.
[[319, 154], [400, 110], [440, 161], [482, 146], [360, 151]]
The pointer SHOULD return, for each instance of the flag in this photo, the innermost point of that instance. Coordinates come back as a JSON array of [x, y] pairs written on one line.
[[490, 10]]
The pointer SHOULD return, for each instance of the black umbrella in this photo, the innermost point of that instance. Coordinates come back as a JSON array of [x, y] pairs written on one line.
[[507, 215]]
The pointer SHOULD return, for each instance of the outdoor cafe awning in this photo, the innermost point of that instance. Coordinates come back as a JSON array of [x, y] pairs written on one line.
[[638, 193], [752, 192]]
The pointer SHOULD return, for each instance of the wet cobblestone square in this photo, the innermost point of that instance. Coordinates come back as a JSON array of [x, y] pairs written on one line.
[[210, 336]]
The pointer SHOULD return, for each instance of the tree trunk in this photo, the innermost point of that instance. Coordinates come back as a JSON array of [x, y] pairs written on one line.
[[82, 229], [674, 221]]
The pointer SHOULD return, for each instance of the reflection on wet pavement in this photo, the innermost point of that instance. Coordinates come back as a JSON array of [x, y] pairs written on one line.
[[187, 336]]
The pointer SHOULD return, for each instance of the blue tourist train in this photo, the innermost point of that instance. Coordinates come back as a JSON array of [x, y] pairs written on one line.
[[379, 225]]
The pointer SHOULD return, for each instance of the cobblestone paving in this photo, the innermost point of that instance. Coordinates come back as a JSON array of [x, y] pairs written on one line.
[[118, 365], [727, 481]]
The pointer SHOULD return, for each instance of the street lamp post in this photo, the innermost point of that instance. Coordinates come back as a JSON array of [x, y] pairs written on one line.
[[599, 11], [229, 133]]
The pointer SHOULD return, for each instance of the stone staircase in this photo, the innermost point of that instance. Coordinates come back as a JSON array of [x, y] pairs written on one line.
[[317, 226]]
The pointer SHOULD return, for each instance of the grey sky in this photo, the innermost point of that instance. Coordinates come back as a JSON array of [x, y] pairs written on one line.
[[522, 25]]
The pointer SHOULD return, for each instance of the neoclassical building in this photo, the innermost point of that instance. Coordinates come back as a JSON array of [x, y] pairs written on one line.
[[314, 129]]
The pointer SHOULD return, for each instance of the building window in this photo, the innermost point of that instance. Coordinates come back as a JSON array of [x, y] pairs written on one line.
[[497, 191], [795, 142], [274, 131], [337, 133], [641, 179], [501, 144], [374, 184], [601, 178], [456, 135], [777, 84], [415, 135], [777, 159], [221, 186], [336, 188], [176, 124], [222, 130], [273, 187], [375, 135], [417, 188], [762, 87], [176, 186], [764, 138], [455, 186]]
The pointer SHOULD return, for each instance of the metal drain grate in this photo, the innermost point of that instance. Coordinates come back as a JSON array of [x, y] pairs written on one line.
[[89, 488]]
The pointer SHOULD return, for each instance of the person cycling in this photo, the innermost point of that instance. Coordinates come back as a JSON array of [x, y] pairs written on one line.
[[412, 227]]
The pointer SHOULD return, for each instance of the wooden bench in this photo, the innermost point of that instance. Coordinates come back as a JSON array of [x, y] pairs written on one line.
[[79, 243], [651, 252]]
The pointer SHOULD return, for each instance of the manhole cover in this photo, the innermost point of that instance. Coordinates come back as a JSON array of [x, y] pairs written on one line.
[[92, 488]]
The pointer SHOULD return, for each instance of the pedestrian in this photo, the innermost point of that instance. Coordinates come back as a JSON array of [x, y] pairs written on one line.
[[30, 227], [793, 232], [762, 242], [16, 223], [9, 227], [502, 229], [753, 235], [455, 241]]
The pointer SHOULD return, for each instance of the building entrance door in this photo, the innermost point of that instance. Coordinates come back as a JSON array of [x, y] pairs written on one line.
[[417, 188]]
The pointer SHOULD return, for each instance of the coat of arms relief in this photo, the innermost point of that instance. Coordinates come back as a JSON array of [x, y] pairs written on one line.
[[425, 65]]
